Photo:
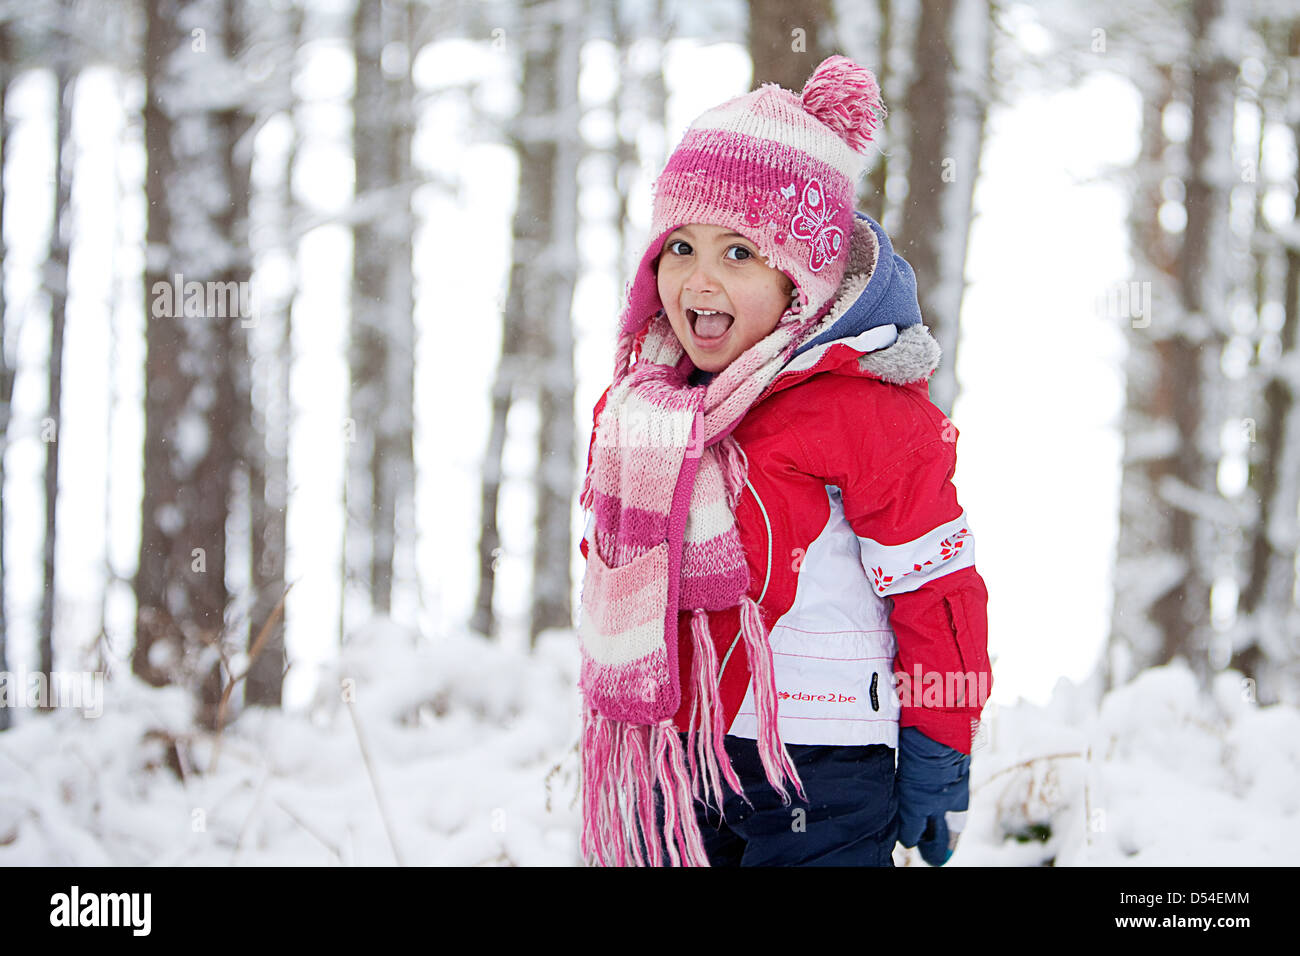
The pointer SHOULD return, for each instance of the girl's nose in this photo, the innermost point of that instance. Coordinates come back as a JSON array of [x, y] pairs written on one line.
[[700, 278]]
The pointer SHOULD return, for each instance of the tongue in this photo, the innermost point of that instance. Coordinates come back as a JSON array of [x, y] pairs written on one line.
[[711, 326]]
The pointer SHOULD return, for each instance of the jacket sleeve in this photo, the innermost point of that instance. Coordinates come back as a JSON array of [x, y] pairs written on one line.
[[917, 550]]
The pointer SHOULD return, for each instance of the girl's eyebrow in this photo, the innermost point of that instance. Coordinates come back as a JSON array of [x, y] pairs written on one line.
[[725, 235]]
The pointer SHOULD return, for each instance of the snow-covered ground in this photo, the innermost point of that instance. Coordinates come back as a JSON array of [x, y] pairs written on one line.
[[456, 751]]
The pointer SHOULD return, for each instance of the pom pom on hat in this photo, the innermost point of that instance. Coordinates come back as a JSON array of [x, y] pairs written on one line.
[[845, 97]]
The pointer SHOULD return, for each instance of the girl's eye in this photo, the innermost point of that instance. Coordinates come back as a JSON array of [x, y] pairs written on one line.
[[680, 247]]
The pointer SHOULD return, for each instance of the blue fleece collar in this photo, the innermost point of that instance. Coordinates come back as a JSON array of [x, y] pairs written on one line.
[[889, 297]]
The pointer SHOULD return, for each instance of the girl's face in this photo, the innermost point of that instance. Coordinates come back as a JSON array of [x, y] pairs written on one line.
[[720, 297]]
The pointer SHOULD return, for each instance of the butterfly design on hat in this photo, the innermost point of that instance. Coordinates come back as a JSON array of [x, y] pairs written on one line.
[[813, 222]]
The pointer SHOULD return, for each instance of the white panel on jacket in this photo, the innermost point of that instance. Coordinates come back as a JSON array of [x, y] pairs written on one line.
[[832, 652], [899, 568]]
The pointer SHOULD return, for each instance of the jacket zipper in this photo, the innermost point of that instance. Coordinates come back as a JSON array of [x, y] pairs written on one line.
[[767, 577]]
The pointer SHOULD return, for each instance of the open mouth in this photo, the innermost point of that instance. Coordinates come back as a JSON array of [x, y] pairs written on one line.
[[709, 325]]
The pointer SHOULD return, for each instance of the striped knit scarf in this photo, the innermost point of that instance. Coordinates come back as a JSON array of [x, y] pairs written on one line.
[[664, 481]]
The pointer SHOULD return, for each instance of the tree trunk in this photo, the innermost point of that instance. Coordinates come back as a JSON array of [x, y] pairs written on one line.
[[527, 296], [367, 356], [556, 441], [1192, 355], [56, 280], [394, 468], [197, 186], [1145, 568], [268, 452], [787, 41], [6, 372], [874, 201], [866, 32], [381, 460], [943, 151], [1267, 651], [1173, 518]]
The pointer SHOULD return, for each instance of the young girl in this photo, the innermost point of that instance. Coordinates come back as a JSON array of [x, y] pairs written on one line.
[[779, 575]]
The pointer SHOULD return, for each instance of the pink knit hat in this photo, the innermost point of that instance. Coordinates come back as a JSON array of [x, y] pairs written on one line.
[[780, 169]]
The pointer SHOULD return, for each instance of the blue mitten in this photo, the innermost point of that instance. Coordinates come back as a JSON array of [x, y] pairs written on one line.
[[933, 794]]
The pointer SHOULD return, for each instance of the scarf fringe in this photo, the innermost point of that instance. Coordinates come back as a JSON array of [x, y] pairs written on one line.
[[776, 759], [621, 763], [735, 469], [681, 831], [596, 756], [642, 789], [706, 700]]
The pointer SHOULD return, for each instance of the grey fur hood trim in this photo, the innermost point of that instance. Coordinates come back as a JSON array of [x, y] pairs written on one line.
[[913, 356]]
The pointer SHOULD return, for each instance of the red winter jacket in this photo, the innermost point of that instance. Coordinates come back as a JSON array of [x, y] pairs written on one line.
[[860, 556]]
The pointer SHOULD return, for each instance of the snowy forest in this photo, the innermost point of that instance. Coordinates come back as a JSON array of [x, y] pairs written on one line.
[[305, 306]]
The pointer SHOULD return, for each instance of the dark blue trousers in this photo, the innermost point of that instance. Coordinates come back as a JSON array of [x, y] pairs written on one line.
[[850, 818]]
